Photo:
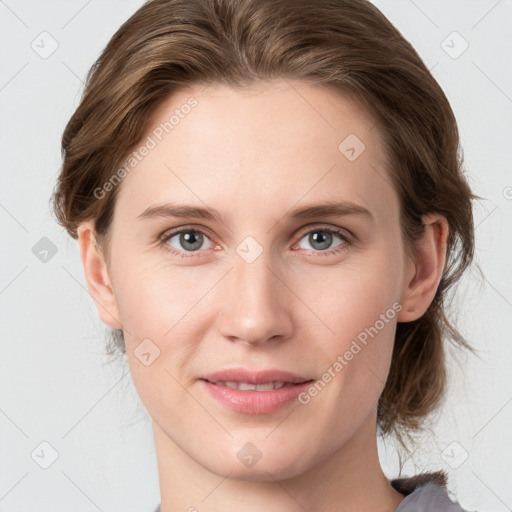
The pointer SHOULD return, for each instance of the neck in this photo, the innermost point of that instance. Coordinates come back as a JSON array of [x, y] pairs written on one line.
[[349, 479]]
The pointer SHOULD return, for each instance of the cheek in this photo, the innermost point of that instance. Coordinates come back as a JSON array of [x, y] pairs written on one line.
[[158, 311], [358, 307], [352, 297], [159, 308], [154, 299]]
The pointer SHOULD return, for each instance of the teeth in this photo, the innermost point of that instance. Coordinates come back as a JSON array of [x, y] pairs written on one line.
[[245, 386]]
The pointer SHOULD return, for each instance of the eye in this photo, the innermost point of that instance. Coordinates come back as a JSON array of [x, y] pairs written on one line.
[[192, 240], [321, 240], [183, 241]]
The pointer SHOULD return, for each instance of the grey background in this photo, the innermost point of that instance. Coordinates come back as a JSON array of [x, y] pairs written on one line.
[[56, 385]]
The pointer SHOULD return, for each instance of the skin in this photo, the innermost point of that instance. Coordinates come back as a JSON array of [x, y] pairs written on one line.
[[254, 154]]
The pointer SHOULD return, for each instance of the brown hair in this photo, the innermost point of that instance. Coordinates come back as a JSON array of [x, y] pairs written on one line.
[[347, 45]]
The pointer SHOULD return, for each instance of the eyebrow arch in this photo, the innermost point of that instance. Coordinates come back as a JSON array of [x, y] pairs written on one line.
[[330, 209], [327, 209], [178, 210]]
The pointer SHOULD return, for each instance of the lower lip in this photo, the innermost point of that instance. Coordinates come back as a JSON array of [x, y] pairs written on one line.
[[255, 402]]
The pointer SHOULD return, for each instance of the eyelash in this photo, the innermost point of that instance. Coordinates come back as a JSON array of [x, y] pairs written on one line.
[[164, 238]]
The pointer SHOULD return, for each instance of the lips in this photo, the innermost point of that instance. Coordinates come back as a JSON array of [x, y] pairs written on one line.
[[259, 392], [240, 375]]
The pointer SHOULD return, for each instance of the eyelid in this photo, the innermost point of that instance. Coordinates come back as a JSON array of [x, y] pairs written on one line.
[[175, 231], [327, 227]]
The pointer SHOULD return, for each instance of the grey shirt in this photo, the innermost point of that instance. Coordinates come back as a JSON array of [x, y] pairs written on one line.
[[423, 493]]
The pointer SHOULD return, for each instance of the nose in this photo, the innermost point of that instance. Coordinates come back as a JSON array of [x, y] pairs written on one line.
[[255, 303]]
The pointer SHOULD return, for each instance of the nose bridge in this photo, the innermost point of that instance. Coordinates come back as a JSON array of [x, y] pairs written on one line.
[[254, 305], [254, 279]]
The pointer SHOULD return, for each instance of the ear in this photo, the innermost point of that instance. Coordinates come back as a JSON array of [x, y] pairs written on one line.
[[425, 269], [96, 276]]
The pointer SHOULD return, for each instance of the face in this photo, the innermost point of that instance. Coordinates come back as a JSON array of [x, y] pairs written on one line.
[[260, 288]]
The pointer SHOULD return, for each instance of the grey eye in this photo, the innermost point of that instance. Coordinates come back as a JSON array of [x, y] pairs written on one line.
[[321, 239], [188, 240]]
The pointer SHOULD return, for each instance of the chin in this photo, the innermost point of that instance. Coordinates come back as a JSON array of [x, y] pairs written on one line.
[[262, 472], [271, 463]]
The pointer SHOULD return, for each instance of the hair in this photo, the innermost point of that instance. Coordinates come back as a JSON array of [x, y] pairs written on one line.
[[347, 46]]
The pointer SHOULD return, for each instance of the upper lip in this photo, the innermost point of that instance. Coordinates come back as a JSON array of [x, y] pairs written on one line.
[[255, 377]]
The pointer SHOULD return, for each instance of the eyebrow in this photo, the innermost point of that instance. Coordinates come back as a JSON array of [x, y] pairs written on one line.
[[327, 209]]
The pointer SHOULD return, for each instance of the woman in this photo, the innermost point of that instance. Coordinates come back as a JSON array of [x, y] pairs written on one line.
[[270, 207]]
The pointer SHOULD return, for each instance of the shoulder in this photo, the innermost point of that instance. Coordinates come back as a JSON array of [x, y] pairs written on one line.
[[425, 492]]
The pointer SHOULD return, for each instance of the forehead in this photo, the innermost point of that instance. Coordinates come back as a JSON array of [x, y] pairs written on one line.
[[273, 143]]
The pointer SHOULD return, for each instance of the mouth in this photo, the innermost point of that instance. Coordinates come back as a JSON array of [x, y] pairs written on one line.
[[247, 386], [261, 392]]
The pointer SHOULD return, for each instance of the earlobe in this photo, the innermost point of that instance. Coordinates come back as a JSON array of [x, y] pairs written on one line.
[[426, 271], [96, 276]]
